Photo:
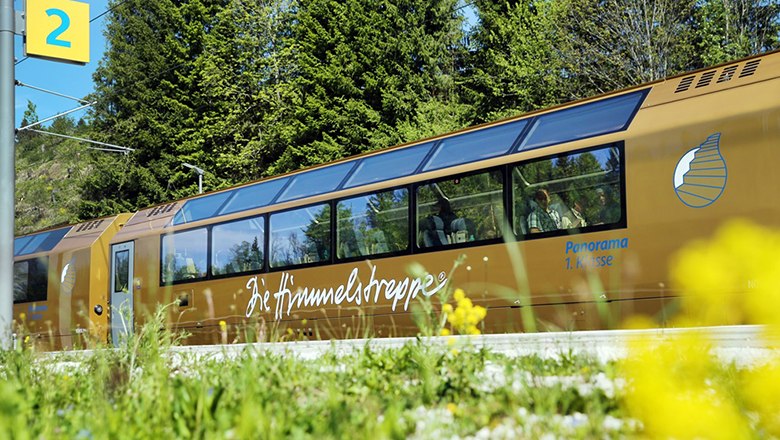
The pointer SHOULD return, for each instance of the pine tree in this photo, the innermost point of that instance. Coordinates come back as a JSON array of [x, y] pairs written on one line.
[[512, 67], [364, 69]]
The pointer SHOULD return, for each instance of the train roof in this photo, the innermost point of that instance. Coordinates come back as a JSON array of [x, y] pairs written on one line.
[[63, 238], [595, 116]]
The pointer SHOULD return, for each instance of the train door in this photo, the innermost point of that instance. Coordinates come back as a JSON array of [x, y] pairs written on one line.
[[121, 311]]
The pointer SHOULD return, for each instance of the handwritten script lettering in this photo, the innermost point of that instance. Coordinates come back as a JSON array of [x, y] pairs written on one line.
[[288, 297]]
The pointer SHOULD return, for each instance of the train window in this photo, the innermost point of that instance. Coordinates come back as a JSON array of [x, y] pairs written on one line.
[[30, 280], [300, 236], [253, 196], [461, 209], [19, 244], [121, 271], [184, 255], [201, 208], [569, 193], [390, 165], [237, 247], [475, 145], [41, 242], [317, 181], [372, 225], [592, 119]]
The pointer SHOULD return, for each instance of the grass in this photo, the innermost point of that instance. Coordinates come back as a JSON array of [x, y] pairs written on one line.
[[417, 391]]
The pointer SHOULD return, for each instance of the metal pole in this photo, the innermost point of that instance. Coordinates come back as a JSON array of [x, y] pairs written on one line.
[[200, 183], [7, 170]]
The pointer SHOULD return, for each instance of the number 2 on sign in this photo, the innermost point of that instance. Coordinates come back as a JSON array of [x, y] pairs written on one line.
[[53, 37]]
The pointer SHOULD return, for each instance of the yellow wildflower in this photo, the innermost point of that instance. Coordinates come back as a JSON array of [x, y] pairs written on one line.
[[222, 325], [762, 386], [672, 395], [459, 294], [452, 408], [22, 316], [445, 332], [446, 308]]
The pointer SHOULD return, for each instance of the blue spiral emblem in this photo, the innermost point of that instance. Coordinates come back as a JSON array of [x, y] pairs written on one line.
[[700, 176]]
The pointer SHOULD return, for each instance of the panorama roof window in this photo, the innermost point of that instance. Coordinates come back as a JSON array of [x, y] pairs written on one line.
[[315, 182], [41, 242], [253, 196], [390, 165], [583, 121], [201, 208], [476, 145], [578, 122]]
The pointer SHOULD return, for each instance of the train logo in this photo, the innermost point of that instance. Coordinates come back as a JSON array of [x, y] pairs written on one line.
[[700, 176]]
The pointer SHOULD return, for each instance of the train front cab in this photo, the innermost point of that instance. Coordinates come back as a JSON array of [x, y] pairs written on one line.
[[60, 275]]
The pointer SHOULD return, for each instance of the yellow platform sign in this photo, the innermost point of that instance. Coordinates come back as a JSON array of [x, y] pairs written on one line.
[[57, 30]]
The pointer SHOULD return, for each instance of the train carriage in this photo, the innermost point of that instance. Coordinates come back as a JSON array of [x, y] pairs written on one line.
[[564, 218], [60, 278]]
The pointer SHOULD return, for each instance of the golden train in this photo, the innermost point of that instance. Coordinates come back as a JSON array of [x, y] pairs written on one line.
[[563, 218]]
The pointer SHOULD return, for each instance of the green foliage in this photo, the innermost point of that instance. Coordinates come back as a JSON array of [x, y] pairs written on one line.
[[513, 67], [143, 390], [251, 88], [49, 173], [362, 70]]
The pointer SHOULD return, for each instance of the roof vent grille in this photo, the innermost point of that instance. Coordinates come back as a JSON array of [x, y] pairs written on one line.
[[706, 78], [750, 68], [88, 226], [685, 84], [162, 209], [727, 74]]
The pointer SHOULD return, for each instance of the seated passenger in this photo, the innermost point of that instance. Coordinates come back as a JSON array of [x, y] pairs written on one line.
[[463, 230], [432, 231], [576, 217], [542, 218], [436, 228]]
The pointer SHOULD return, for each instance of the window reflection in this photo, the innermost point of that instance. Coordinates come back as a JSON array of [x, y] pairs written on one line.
[[374, 224], [31, 280], [460, 210], [184, 255], [568, 192], [237, 247], [300, 236], [121, 271]]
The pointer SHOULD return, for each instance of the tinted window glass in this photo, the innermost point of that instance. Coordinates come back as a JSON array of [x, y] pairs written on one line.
[[373, 224], [460, 210], [121, 271], [19, 244], [184, 255], [315, 182], [569, 192], [237, 247], [300, 236], [477, 145], [592, 119], [42, 242], [253, 196], [30, 280], [201, 208], [389, 165], [21, 281]]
